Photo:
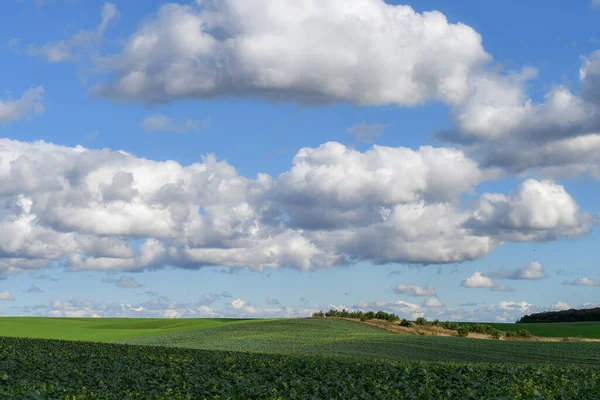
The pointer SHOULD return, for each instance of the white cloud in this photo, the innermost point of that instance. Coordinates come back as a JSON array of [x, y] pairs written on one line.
[[367, 132], [69, 50], [533, 270], [415, 290], [561, 305], [271, 301], [433, 302], [369, 52], [558, 137], [84, 208], [536, 211], [5, 295], [162, 123], [479, 281], [585, 281], [29, 103]]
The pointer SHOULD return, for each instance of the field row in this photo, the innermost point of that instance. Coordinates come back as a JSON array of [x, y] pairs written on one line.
[[343, 338], [35, 368]]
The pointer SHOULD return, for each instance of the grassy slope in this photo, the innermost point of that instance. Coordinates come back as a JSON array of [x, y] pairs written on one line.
[[343, 338], [104, 329]]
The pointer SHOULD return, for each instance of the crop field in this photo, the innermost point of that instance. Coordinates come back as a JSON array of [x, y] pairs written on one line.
[[343, 338], [102, 329], [556, 329], [35, 368]]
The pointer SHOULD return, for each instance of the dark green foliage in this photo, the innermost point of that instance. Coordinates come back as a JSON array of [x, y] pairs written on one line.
[[463, 331], [421, 321], [510, 334], [436, 322], [589, 314], [361, 315], [318, 314], [44, 369], [496, 334], [450, 325], [479, 328], [523, 333], [405, 322]]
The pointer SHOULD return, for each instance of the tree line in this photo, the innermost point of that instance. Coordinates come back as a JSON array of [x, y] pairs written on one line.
[[590, 314]]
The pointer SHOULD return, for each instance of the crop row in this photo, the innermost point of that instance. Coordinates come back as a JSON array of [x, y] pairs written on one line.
[[36, 368]]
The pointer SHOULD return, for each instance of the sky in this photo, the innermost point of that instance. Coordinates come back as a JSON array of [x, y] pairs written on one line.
[[272, 158]]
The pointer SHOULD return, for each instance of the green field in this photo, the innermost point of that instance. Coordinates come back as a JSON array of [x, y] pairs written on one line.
[[103, 329], [556, 329], [43, 369], [344, 338], [279, 359]]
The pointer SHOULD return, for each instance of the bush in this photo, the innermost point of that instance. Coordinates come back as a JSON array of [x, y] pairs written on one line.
[[436, 322], [318, 314], [496, 334], [463, 331], [479, 328], [405, 322], [524, 333], [421, 321]]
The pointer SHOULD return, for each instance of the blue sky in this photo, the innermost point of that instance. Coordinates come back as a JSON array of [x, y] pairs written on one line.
[[283, 157]]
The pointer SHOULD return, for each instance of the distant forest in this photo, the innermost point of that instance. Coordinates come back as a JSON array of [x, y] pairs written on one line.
[[590, 314]]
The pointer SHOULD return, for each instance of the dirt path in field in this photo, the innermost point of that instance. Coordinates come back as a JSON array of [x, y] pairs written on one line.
[[438, 331]]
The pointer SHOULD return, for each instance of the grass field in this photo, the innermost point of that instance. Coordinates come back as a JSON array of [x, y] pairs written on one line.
[[103, 329], [556, 329], [344, 338]]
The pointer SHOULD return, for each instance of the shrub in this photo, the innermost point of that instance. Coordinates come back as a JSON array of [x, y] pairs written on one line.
[[496, 334], [318, 314], [421, 321], [405, 322], [463, 331], [436, 322], [523, 333], [510, 334]]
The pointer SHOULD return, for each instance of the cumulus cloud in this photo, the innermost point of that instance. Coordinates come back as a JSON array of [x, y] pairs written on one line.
[[585, 281], [5, 295], [127, 282], [108, 210], [533, 270], [433, 302], [369, 52], [479, 281], [162, 123], [367, 132], [414, 290], [558, 137], [69, 50], [29, 104], [561, 305], [535, 211]]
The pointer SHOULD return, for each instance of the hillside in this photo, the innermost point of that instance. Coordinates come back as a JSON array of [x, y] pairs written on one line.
[[345, 338]]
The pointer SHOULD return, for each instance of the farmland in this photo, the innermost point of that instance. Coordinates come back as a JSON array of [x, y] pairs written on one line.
[[102, 329], [280, 359], [556, 329], [351, 339], [34, 368]]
